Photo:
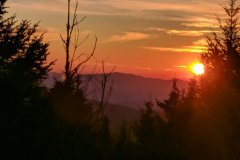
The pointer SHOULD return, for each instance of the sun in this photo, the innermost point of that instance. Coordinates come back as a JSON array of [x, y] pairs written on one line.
[[198, 69]]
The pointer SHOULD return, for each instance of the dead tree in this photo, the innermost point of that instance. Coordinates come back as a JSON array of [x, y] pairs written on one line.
[[74, 61], [106, 89]]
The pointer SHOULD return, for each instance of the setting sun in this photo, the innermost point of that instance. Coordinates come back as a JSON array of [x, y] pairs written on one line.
[[198, 68]]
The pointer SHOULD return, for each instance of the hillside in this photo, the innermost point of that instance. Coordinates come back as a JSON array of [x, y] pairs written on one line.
[[128, 89], [132, 90], [119, 115]]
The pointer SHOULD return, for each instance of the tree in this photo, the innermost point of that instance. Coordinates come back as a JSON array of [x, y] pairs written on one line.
[[74, 62], [23, 56], [220, 84], [2, 7], [222, 57], [23, 67], [151, 134], [170, 105], [75, 116], [23, 61]]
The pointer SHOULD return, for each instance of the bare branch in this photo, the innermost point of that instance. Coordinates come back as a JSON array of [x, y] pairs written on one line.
[[105, 90], [89, 57]]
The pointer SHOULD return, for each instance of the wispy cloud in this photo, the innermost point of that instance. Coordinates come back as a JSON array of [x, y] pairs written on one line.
[[111, 7], [128, 36], [140, 5], [185, 49], [201, 24], [198, 46], [180, 66], [60, 7], [200, 42], [189, 32], [179, 32], [38, 6], [156, 29], [51, 33]]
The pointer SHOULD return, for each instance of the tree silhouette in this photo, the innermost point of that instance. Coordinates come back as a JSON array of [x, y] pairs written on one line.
[[2, 7], [23, 57], [151, 133], [74, 62], [75, 118], [174, 100], [219, 87], [222, 57], [23, 67]]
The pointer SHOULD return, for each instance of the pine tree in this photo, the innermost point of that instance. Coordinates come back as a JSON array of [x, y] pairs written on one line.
[[222, 57], [220, 84], [23, 67], [170, 105], [151, 132], [2, 7]]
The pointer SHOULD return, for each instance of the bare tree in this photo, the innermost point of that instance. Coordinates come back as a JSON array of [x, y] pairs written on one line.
[[106, 89], [74, 62]]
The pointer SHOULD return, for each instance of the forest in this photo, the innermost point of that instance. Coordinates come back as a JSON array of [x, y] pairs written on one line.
[[201, 122]]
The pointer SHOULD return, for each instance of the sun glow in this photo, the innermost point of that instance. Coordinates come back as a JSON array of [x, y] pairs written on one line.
[[198, 68]]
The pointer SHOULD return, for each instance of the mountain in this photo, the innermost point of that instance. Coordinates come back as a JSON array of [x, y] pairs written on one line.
[[119, 115], [127, 89]]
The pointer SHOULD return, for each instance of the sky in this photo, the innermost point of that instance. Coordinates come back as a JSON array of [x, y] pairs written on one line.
[[152, 38]]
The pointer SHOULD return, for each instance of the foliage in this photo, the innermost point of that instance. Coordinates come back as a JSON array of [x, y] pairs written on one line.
[[222, 57], [2, 7], [23, 67]]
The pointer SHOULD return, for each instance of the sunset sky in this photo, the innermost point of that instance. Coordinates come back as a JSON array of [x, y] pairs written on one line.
[[153, 38]]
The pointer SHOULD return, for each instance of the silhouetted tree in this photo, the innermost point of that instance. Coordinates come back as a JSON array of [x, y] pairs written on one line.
[[125, 148], [151, 135], [222, 57], [23, 67], [2, 7], [219, 86], [68, 96], [75, 118], [171, 104], [23, 57], [74, 62]]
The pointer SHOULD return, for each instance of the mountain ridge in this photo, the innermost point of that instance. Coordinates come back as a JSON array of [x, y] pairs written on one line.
[[128, 89]]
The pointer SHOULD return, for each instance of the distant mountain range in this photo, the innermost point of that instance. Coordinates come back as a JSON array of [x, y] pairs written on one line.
[[128, 89]]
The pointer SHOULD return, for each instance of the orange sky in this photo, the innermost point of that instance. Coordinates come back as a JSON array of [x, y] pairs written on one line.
[[155, 38]]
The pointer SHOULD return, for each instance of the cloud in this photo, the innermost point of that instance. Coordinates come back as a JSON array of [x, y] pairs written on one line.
[[141, 5], [123, 7], [38, 6], [192, 33], [185, 49], [189, 32], [198, 46], [156, 29], [128, 36], [180, 66], [59, 7], [200, 24], [200, 42], [51, 33]]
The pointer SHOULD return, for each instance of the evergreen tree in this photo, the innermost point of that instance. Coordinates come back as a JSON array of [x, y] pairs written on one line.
[[222, 57], [219, 87], [151, 135], [2, 7], [174, 100], [23, 67]]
